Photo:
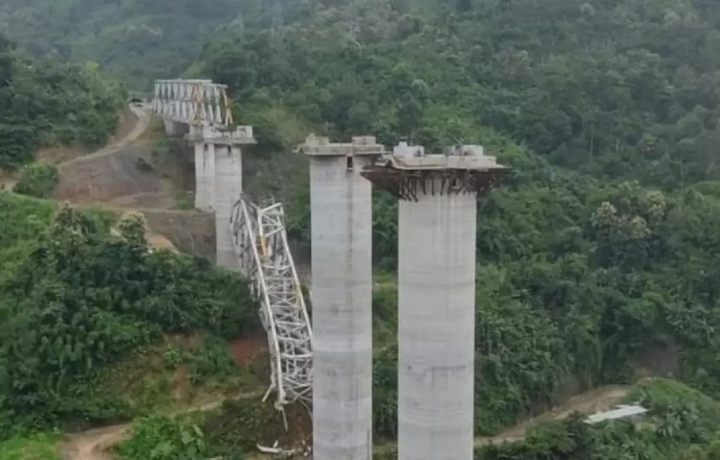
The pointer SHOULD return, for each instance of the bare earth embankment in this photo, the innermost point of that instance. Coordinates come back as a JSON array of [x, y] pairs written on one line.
[[118, 176]]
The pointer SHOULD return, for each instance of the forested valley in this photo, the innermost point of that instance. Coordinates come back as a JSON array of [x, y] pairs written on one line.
[[599, 259]]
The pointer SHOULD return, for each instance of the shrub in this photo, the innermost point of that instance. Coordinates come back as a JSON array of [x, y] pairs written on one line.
[[37, 180], [162, 438]]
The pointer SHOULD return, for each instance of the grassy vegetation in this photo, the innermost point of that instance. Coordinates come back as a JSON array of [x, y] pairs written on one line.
[[37, 447], [81, 306], [176, 373], [37, 180]]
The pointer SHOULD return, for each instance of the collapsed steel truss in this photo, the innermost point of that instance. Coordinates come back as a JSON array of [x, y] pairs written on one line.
[[195, 102], [260, 242]]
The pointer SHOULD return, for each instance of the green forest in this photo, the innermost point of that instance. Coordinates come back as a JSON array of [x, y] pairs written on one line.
[[50, 102], [598, 258], [136, 40]]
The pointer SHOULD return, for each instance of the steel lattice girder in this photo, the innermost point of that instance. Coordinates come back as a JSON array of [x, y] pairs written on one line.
[[194, 102], [260, 243]]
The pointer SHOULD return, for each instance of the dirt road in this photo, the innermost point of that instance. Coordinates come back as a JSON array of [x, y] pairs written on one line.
[[141, 125], [142, 121], [599, 399], [118, 174], [96, 444], [114, 177]]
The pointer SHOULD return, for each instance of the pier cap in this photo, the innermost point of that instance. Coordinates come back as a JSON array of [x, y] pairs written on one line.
[[219, 135], [318, 146], [461, 169]]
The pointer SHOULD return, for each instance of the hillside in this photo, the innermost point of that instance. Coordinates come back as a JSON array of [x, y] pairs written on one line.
[[136, 40], [98, 326], [51, 103], [598, 259], [75, 299]]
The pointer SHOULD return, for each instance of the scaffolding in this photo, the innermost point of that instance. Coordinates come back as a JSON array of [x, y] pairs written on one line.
[[260, 243]]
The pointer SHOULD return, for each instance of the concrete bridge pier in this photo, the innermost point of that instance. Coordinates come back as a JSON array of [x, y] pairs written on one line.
[[218, 181], [436, 293], [175, 129], [341, 210], [204, 174], [228, 187]]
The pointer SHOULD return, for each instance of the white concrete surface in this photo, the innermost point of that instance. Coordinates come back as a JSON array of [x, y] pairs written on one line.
[[204, 176], [228, 187], [341, 225], [436, 276]]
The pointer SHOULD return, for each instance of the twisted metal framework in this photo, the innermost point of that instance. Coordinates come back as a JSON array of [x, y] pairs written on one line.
[[195, 102], [260, 243]]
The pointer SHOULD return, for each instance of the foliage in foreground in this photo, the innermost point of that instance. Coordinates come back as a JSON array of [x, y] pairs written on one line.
[[682, 424], [37, 447], [162, 438], [229, 432], [79, 299], [602, 245]]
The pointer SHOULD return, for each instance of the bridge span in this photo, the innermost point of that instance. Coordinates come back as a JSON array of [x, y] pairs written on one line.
[[250, 238], [332, 364]]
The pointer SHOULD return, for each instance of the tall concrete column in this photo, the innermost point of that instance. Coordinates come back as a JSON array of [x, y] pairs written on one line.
[[205, 175], [202, 200], [218, 181], [228, 187], [436, 290], [341, 227]]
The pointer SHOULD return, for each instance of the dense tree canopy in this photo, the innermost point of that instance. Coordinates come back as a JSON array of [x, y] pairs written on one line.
[[77, 297], [51, 102], [136, 39]]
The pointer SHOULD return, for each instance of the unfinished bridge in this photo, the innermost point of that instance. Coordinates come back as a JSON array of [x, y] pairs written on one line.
[[250, 238], [330, 363]]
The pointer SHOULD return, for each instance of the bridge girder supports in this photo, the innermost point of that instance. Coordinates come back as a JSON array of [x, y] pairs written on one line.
[[192, 102], [436, 293], [200, 109], [218, 181], [341, 229]]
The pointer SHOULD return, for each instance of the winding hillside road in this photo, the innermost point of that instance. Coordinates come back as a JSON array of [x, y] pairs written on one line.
[[94, 444], [113, 176], [596, 400], [142, 121]]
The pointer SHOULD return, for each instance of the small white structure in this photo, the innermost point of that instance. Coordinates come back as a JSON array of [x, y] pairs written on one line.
[[622, 411]]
